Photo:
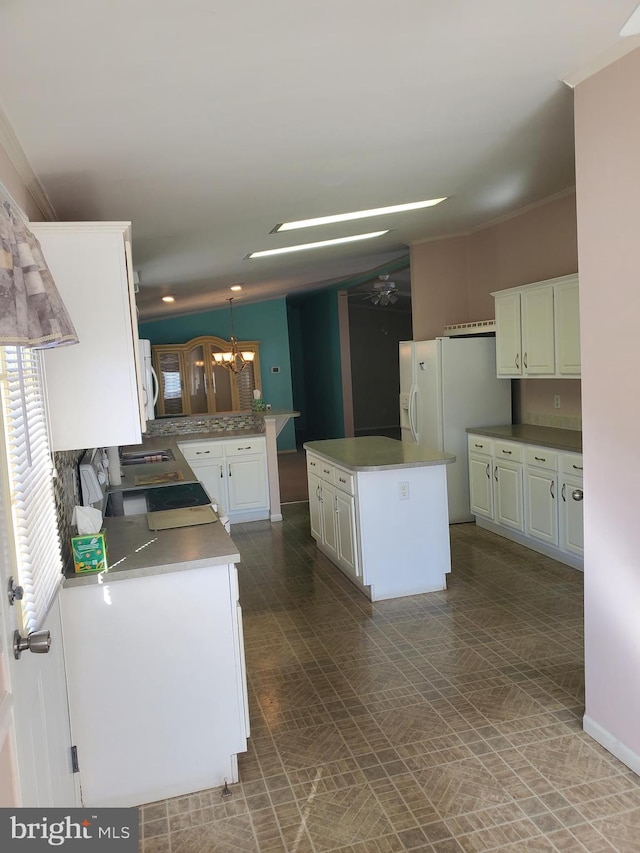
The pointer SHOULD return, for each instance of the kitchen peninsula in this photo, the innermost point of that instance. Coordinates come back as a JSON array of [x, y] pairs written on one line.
[[378, 510]]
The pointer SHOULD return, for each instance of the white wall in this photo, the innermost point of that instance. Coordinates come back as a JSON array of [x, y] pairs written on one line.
[[608, 212]]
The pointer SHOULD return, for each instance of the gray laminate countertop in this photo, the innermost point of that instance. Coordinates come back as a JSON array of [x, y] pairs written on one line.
[[134, 551], [558, 439], [377, 453]]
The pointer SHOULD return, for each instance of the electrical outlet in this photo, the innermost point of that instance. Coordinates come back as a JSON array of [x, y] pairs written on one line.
[[556, 401], [403, 491]]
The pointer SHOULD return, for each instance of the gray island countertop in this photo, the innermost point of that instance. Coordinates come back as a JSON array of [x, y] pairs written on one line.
[[553, 437], [377, 453]]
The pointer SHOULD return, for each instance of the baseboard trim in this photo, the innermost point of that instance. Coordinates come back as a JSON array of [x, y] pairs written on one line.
[[528, 542], [276, 517], [612, 744]]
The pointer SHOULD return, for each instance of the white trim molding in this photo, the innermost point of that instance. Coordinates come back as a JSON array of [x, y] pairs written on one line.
[[611, 743], [11, 145]]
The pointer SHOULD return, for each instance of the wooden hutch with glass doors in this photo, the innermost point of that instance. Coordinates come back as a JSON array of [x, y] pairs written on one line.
[[192, 382]]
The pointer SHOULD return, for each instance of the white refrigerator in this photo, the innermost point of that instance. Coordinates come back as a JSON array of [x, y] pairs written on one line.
[[447, 385]]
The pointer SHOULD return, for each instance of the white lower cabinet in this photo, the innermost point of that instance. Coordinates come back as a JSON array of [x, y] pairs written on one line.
[[234, 473], [528, 493], [387, 530], [333, 513], [151, 717]]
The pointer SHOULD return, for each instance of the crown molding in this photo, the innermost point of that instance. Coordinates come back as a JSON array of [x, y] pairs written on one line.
[[621, 48], [11, 145]]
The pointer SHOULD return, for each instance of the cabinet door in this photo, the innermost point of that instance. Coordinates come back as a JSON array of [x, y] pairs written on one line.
[[212, 476], [93, 386], [571, 512], [508, 494], [315, 505], [247, 482], [329, 521], [541, 504], [480, 485], [567, 322], [346, 524], [538, 336], [508, 335], [171, 391], [197, 380]]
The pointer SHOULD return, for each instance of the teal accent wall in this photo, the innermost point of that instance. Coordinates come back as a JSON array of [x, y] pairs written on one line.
[[265, 322], [315, 346]]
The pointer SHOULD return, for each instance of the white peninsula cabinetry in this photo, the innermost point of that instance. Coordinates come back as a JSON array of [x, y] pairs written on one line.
[[529, 493], [94, 390], [378, 510], [234, 473], [155, 665], [538, 330]]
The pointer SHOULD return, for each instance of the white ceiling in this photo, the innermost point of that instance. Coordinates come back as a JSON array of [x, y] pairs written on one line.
[[208, 122]]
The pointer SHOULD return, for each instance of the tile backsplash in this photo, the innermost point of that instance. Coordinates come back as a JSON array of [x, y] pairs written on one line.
[[549, 420], [66, 489], [205, 423]]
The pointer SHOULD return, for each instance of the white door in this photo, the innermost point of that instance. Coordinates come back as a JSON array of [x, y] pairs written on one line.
[[315, 505], [508, 335], [480, 486], [571, 518], [567, 321], [508, 496], [541, 491], [346, 524], [35, 686], [212, 476], [538, 335], [247, 483], [329, 521]]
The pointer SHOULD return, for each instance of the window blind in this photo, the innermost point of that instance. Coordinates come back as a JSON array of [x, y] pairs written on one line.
[[30, 476]]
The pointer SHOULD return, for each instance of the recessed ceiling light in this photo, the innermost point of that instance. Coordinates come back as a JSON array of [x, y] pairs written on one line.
[[236, 287], [168, 299], [318, 245], [358, 214]]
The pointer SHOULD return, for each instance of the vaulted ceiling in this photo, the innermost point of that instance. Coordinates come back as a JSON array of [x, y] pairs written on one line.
[[208, 122]]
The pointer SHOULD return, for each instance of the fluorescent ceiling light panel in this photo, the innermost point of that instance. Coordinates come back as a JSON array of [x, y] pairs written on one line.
[[284, 249], [358, 214]]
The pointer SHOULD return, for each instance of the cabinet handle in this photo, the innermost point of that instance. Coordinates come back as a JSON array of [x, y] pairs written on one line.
[[488, 474], [518, 360], [577, 494], [540, 458], [221, 473], [202, 452], [508, 452], [318, 493], [244, 448], [342, 480], [495, 473], [229, 470], [577, 467], [524, 361], [564, 492], [480, 446], [552, 491], [326, 471]]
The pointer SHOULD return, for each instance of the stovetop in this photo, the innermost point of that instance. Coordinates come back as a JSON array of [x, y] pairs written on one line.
[[157, 499]]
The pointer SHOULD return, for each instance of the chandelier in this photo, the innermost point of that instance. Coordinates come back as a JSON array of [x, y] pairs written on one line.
[[234, 359]]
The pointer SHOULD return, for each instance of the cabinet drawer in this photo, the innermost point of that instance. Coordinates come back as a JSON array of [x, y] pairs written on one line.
[[508, 450], [541, 457], [201, 450], [244, 445], [571, 463], [480, 445], [344, 480], [321, 468]]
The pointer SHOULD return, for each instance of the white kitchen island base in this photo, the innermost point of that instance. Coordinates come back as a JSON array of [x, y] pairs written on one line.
[[157, 688], [378, 510]]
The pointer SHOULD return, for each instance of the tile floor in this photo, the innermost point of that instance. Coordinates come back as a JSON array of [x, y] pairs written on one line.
[[443, 722]]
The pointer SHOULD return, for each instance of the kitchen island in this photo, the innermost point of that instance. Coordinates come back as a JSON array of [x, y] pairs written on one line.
[[378, 510], [155, 661]]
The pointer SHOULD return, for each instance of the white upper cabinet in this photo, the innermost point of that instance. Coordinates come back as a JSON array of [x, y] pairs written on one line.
[[538, 330], [94, 390], [567, 323]]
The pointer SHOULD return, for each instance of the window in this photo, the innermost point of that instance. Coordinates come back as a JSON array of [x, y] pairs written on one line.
[[30, 477]]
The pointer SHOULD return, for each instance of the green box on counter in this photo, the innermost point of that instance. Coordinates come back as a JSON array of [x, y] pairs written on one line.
[[89, 552]]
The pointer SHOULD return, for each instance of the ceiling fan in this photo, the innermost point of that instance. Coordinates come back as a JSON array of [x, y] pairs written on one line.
[[383, 292]]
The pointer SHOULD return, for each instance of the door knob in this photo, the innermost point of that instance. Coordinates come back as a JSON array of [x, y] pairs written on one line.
[[38, 642]]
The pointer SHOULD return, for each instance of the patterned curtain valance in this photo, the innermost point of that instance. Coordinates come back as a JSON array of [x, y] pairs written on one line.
[[32, 313]]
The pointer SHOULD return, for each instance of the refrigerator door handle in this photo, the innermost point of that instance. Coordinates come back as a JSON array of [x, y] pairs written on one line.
[[413, 398]]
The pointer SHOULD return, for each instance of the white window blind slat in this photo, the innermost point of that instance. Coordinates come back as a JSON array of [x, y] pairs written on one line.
[[30, 476]]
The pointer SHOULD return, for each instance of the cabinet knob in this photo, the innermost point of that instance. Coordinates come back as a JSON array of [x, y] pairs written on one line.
[[577, 494]]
